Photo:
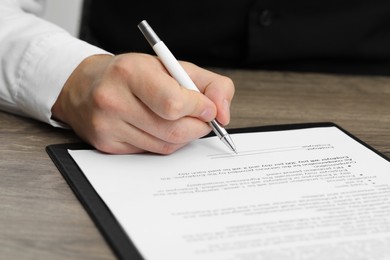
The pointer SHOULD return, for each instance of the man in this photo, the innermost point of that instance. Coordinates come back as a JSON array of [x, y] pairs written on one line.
[[128, 103], [120, 104]]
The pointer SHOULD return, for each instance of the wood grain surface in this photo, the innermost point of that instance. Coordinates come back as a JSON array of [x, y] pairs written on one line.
[[40, 218]]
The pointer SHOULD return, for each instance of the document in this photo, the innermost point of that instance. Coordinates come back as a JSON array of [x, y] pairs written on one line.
[[313, 193]]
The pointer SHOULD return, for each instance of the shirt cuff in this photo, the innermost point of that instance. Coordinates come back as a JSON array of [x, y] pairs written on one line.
[[47, 65]]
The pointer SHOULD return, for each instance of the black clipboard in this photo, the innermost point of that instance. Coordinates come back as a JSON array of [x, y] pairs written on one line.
[[111, 230]]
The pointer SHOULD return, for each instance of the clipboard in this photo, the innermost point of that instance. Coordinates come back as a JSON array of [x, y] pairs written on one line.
[[106, 222]]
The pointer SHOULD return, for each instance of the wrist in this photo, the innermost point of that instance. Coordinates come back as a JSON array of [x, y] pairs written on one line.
[[76, 85]]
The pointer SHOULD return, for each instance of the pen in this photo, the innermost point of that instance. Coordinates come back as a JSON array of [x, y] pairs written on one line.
[[179, 74]]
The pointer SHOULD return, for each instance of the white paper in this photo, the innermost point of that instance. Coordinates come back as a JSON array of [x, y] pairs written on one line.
[[299, 194]]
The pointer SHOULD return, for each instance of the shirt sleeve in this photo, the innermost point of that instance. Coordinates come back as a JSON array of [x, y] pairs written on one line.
[[36, 58]]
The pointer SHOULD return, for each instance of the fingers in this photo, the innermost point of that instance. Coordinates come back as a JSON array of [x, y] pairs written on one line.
[[111, 130], [155, 133], [130, 139], [165, 97]]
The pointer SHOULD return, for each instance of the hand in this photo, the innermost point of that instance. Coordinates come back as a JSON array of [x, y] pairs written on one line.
[[130, 104]]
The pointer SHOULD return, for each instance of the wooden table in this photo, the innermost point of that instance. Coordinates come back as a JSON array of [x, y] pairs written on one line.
[[40, 218]]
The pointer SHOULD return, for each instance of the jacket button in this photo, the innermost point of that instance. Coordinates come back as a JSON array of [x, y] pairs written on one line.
[[266, 17]]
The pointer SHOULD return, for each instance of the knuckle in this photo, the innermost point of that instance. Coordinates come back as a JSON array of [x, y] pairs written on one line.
[[228, 83], [176, 134], [104, 99], [121, 66], [98, 98], [129, 65], [172, 108]]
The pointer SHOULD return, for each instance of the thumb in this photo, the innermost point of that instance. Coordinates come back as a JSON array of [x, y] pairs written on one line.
[[196, 104]]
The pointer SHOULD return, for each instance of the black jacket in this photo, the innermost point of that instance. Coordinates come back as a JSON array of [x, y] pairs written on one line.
[[347, 36]]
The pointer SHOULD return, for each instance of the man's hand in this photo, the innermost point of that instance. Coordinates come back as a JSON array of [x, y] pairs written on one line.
[[130, 104]]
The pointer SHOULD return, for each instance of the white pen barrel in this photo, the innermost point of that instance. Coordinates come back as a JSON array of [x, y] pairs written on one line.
[[173, 66], [180, 75]]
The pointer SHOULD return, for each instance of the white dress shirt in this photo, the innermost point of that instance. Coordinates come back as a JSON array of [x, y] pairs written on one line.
[[36, 59]]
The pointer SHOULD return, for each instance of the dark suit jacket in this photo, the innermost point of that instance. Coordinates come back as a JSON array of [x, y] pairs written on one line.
[[346, 36]]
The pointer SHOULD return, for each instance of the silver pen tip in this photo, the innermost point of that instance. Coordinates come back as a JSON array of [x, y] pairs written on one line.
[[223, 135], [227, 140]]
